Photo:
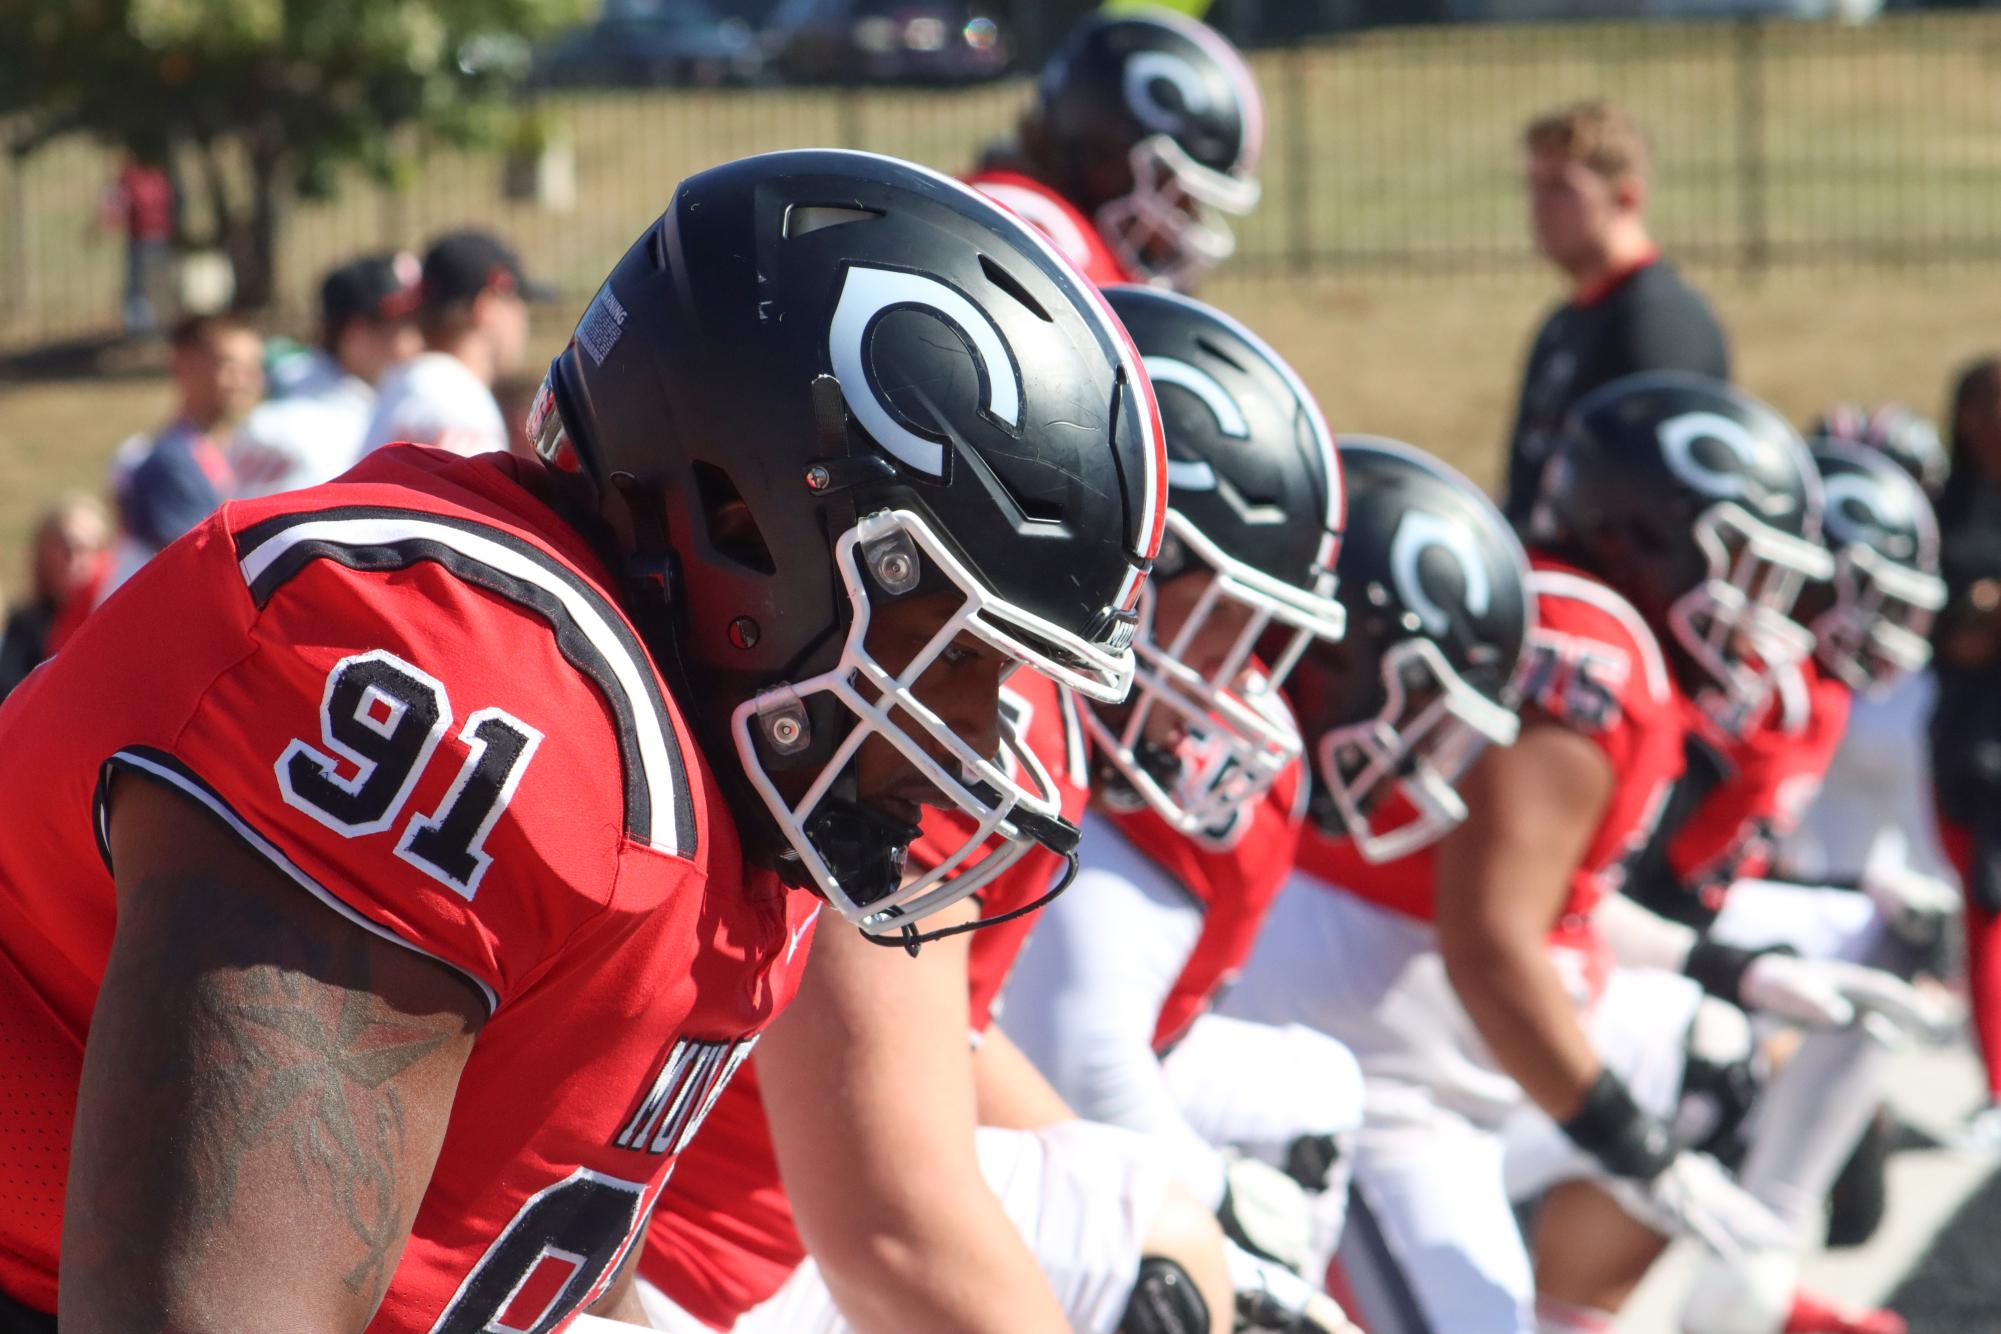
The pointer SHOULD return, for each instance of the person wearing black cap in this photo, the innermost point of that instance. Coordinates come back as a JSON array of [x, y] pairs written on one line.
[[473, 313], [311, 428]]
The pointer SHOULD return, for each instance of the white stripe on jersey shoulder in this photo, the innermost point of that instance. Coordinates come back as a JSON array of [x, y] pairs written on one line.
[[1561, 583], [182, 780], [659, 751]]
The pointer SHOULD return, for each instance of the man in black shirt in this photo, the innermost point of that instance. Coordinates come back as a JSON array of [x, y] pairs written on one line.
[[1629, 309]]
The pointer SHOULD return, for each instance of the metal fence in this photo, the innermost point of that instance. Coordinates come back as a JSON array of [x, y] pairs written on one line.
[[1391, 153]]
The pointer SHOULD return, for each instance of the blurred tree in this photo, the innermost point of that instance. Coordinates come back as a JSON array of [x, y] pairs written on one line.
[[1192, 8], [267, 98]]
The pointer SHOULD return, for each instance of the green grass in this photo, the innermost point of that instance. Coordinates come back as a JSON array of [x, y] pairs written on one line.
[[1390, 152]]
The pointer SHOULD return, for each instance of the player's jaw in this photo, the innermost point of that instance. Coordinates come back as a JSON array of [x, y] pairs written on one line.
[[1197, 632], [961, 687]]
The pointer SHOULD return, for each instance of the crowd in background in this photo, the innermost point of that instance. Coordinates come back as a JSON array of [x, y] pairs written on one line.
[[428, 350]]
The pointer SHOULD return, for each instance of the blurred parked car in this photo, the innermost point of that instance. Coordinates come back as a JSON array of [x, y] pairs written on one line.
[[641, 43], [884, 41]]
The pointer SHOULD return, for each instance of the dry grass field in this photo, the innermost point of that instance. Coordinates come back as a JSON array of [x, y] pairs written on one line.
[[1815, 145], [1432, 362]]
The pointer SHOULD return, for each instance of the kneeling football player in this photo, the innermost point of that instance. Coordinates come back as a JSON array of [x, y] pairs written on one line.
[[1142, 141], [1462, 964], [1831, 960], [1197, 804], [871, 1089], [395, 870]]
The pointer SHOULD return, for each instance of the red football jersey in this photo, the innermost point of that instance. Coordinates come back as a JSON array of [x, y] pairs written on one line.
[[1593, 666], [1045, 718], [411, 692], [1073, 235], [1771, 776], [725, 1240], [1233, 878]]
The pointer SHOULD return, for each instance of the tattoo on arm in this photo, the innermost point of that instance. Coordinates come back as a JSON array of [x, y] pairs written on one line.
[[257, 1066], [312, 1069]]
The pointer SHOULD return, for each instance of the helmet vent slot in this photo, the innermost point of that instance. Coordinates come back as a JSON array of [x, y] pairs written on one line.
[[1007, 282], [732, 528], [1216, 350], [805, 219]]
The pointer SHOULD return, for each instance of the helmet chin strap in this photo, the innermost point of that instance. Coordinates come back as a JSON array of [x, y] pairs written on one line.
[[1058, 836]]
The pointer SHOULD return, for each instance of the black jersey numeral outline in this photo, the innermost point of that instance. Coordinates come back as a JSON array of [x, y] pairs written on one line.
[[450, 843], [586, 1220], [383, 718]]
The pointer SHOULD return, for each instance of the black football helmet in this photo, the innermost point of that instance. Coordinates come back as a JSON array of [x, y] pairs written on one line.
[[1700, 506], [1151, 124], [823, 381], [1254, 501], [1908, 439], [1435, 586], [1872, 621]]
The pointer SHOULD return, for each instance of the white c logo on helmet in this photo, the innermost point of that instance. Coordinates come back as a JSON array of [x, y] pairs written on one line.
[[1195, 474], [867, 293], [1843, 490], [1229, 417], [1148, 67], [1678, 436], [1418, 532]]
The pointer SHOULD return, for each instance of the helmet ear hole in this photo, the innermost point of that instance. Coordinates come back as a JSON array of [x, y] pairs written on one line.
[[732, 528]]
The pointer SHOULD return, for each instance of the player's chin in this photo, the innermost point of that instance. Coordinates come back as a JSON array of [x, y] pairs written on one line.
[[904, 809]]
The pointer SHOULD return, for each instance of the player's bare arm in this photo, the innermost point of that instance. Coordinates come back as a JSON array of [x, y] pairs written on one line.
[[621, 1299], [868, 1087], [1503, 876], [1012, 1093], [264, 1093], [1009, 1090]]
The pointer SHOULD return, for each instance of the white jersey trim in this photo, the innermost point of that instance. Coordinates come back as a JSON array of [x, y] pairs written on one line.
[[183, 781], [1557, 583], [654, 733]]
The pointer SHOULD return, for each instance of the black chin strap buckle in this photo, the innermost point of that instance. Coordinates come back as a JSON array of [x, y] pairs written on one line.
[[909, 937], [862, 848]]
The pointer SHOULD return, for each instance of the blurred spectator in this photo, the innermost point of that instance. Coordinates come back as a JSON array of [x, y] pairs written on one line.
[[1966, 722], [474, 317], [1628, 310], [515, 393], [139, 204], [71, 557], [168, 481], [311, 430]]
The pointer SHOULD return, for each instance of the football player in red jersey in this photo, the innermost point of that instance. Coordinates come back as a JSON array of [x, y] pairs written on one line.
[[1199, 797], [413, 851], [1465, 974], [1812, 955], [872, 1092], [1143, 138]]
